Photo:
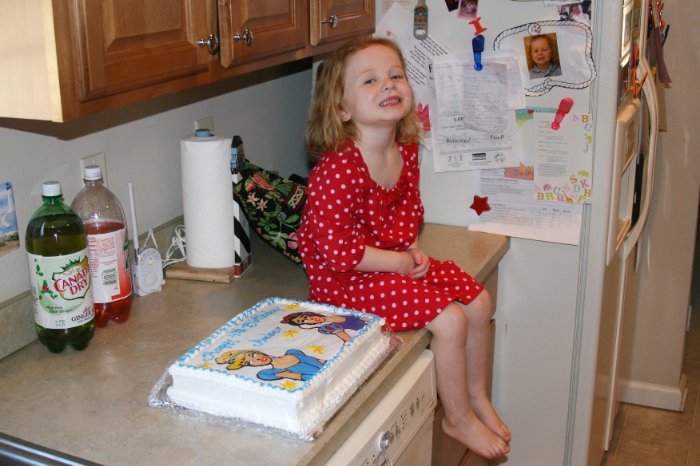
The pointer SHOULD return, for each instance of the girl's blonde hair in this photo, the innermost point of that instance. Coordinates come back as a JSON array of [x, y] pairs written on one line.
[[325, 130], [234, 358]]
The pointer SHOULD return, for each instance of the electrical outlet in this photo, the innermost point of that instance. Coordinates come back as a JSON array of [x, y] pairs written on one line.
[[94, 159], [204, 123]]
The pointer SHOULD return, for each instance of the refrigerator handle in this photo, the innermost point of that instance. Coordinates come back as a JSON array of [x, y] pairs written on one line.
[[650, 100]]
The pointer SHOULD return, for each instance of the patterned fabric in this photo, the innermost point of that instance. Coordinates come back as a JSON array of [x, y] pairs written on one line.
[[273, 205]]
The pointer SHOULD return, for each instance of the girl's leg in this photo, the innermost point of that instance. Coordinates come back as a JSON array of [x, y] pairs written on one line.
[[479, 313], [448, 342]]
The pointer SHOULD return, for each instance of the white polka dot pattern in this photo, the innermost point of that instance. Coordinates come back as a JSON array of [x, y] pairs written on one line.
[[347, 210]]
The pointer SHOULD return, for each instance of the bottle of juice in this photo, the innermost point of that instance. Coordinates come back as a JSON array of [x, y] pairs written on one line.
[[105, 225], [59, 273]]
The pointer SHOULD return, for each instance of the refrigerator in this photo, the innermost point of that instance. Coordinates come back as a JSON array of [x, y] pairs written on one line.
[[581, 327]]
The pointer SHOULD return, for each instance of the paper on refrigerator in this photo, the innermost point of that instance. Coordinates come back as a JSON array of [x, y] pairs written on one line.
[[563, 158], [513, 212], [511, 192], [473, 119]]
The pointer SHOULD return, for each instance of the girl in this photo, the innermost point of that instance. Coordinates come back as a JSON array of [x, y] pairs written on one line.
[[541, 57], [295, 364], [327, 325], [358, 239]]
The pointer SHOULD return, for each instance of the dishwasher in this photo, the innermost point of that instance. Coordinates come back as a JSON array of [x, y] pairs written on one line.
[[399, 430]]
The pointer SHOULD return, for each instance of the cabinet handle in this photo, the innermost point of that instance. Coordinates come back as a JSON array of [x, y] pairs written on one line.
[[211, 43], [333, 21], [246, 37]]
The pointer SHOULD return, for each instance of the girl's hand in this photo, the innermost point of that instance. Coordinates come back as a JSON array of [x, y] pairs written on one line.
[[421, 262], [406, 263]]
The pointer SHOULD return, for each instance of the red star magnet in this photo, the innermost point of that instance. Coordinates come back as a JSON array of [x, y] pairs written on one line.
[[480, 204]]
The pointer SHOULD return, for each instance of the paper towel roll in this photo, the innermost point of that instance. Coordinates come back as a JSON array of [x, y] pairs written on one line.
[[207, 198]]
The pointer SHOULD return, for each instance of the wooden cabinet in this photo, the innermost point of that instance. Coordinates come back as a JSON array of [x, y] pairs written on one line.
[[120, 45], [64, 59], [336, 19], [253, 29]]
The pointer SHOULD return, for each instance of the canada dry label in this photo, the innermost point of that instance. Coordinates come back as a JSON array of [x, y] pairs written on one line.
[[61, 290]]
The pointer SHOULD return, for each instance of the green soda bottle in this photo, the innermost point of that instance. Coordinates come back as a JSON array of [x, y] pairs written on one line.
[[59, 273]]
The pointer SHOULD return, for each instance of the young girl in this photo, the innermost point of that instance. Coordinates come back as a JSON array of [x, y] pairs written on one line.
[[358, 239], [327, 325], [542, 60]]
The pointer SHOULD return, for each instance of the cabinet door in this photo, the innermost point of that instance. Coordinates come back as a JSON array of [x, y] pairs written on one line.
[[121, 45], [253, 29], [336, 19]]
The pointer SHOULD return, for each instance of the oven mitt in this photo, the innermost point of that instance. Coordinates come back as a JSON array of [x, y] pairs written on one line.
[[273, 206]]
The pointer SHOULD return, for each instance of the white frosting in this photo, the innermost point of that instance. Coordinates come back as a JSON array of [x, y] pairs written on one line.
[[300, 407]]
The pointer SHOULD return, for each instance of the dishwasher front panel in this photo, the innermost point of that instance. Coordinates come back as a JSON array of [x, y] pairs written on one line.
[[401, 423]]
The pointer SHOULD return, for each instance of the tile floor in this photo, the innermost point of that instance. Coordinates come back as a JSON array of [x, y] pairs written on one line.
[[653, 437]]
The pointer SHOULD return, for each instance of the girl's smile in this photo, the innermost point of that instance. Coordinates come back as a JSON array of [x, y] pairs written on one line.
[[255, 358], [375, 89], [309, 319]]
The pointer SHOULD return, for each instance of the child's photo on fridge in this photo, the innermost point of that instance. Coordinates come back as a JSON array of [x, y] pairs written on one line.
[[542, 54], [580, 12]]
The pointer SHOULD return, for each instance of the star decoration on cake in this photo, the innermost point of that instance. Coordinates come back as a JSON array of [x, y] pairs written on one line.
[[288, 385], [291, 333], [480, 204], [318, 349], [292, 306]]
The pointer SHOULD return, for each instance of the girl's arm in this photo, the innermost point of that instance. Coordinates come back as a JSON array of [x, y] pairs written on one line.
[[383, 260], [343, 335], [289, 375]]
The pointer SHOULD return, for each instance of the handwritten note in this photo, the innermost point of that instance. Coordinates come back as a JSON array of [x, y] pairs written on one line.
[[474, 124]]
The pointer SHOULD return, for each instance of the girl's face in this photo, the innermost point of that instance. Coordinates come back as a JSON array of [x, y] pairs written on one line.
[[375, 92], [255, 358], [541, 52], [309, 319]]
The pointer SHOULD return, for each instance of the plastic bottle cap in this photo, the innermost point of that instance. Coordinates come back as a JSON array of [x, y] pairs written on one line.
[[92, 173], [51, 189], [202, 133]]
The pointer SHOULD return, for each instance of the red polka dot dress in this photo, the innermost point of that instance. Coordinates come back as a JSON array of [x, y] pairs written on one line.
[[346, 211]]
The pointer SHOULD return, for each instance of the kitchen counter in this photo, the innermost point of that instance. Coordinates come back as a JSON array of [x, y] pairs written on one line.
[[93, 404]]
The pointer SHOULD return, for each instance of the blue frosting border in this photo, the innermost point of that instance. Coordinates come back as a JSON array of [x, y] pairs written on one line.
[[243, 317]]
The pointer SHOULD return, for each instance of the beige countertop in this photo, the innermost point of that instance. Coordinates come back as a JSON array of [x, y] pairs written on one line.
[[93, 404]]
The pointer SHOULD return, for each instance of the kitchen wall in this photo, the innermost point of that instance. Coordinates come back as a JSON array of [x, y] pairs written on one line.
[[142, 146]]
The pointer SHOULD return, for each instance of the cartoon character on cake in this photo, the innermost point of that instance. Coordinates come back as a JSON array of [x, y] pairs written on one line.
[[326, 324], [293, 365]]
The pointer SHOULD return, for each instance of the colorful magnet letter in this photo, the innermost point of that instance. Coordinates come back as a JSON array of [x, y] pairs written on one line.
[[564, 108], [478, 48], [480, 204]]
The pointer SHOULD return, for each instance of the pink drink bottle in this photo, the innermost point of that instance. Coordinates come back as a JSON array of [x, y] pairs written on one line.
[[105, 225]]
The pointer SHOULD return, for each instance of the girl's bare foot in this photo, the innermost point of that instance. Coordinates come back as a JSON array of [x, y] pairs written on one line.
[[475, 435], [484, 410]]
